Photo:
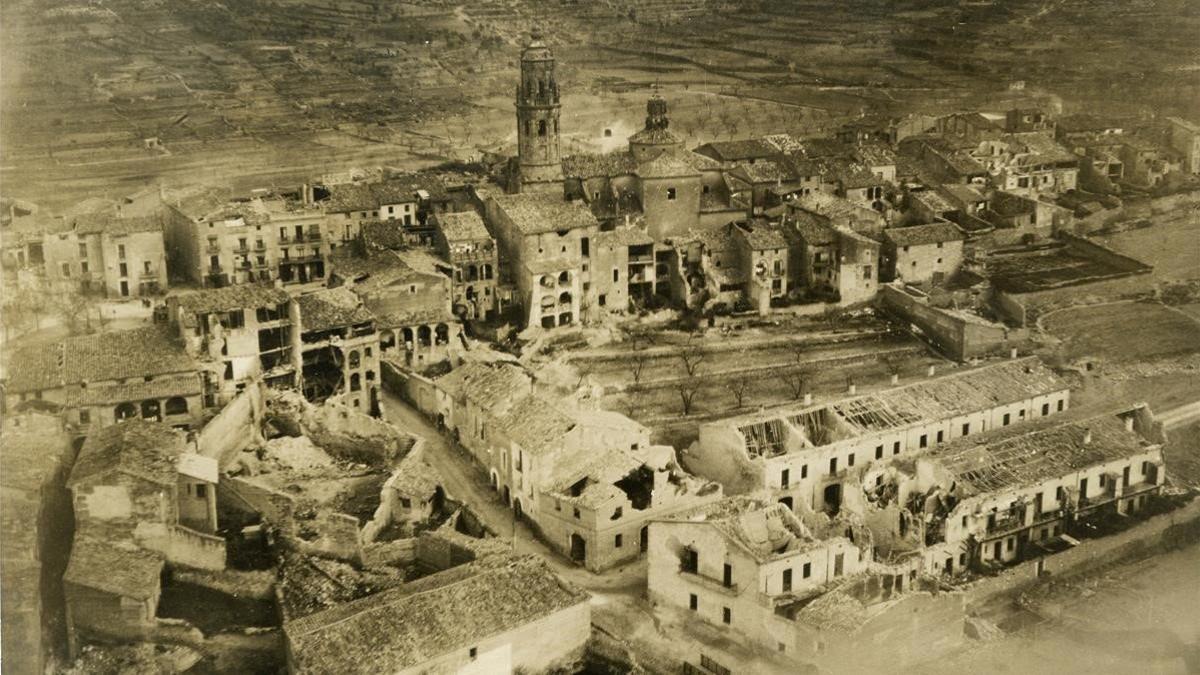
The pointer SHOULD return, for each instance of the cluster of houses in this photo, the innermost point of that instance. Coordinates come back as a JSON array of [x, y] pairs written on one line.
[[752, 223], [807, 529]]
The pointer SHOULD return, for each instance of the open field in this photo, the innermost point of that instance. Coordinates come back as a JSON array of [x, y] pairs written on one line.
[[1139, 617], [270, 91], [1125, 332], [739, 374], [1170, 245]]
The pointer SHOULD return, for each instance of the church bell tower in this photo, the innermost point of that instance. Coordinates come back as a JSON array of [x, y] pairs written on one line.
[[537, 116]]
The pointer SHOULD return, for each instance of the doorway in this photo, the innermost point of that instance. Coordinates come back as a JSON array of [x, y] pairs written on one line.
[[833, 498], [578, 548]]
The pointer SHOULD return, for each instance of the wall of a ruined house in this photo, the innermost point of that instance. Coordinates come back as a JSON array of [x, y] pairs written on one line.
[[667, 586], [719, 454], [181, 545], [234, 428], [821, 559]]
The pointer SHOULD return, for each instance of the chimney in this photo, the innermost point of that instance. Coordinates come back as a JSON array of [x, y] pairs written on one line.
[[895, 378], [808, 399], [852, 389], [1087, 436], [932, 370], [1129, 423], [1012, 353]]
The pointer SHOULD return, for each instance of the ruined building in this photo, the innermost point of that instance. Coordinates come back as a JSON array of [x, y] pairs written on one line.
[[805, 454], [1007, 496]]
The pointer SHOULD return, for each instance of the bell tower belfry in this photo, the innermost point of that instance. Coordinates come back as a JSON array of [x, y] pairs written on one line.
[[537, 116]]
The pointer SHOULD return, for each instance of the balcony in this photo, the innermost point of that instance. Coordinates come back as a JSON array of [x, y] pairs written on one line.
[[709, 582], [313, 235], [260, 246], [213, 247]]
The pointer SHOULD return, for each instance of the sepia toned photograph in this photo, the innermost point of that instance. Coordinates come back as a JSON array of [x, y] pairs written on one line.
[[570, 337]]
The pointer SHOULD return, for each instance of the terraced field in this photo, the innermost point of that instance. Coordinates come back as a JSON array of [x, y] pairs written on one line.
[[262, 91]]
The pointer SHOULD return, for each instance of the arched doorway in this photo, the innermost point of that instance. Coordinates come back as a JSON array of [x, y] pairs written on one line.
[[177, 405], [786, 501], [578, 548], [126, 411], [494, 481], [506, 495], [151, 410]]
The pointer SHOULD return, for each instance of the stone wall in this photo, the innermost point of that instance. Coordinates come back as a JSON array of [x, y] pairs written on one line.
[[956, 336], [181, 545]]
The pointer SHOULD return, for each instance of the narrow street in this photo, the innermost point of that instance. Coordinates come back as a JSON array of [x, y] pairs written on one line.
[[619, 605]]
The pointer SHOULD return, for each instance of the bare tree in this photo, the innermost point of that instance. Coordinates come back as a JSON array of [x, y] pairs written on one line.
[[637, 364], [692, 355], [688, 388], [797, 382], [739, 386]]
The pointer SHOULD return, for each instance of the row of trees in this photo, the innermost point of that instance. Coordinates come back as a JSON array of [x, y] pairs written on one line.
[[797, 375]]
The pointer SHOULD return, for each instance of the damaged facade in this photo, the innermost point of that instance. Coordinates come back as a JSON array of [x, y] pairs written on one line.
[[805, 454], [802, 585], [1011, 494]]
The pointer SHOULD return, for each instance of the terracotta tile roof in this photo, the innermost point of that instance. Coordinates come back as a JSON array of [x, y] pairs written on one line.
[[415, 477], [537, 425], [624, 236], [920, 235], [462, 226], [537, 213], [112, 355], [762, 237], [229, 298], [383, 235], [120, 568], [146, 450], [667, 165], [377, 268], [764, 171], [113, 223], [331, 308], [732, 151], [347, 197], [405, 627], [596, 165], [186, 384], [815, 230], [486, 384], [933, 201]]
